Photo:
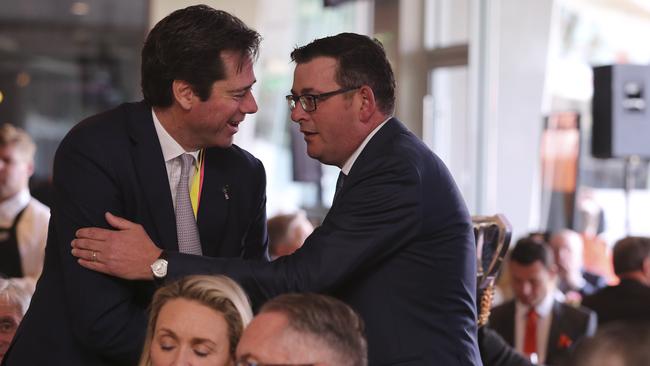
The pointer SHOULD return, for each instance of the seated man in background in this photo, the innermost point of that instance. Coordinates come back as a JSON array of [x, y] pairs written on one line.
[[537, 325], [567, 246], [14, 301], [287, 233], [630, 299], [304, 329], [615, 344], [23, 219]]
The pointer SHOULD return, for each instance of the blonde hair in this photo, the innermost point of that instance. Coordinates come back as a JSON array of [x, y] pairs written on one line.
[[14, 136], [216, 292]]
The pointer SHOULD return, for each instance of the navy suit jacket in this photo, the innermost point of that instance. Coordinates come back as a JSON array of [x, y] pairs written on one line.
[[397, 245], [113, 162], [568, 322]]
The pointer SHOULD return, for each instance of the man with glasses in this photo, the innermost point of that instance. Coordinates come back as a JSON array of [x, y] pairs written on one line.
[[397, 243], [303, 330]]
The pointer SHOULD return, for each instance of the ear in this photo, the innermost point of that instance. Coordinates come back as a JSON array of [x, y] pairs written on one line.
[[646, 268], [183, 93], [552, 272], [368, 103], [30, 168]]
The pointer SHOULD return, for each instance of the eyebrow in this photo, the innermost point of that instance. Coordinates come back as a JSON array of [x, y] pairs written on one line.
[[303, 91], [194, 340], [167, 331], [8, 319], [197, 340], [245, 88]]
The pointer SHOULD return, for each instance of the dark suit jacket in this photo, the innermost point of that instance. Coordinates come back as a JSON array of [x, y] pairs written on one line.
[[113, 162], [593, 282], [397, 245], [568, 322], [629, 300], [495, 351]]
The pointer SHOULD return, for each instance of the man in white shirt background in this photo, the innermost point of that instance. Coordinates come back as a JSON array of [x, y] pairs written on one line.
[[535, 323], [23, 219]]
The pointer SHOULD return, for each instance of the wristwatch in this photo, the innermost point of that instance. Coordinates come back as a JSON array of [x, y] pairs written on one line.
[[159, 266]]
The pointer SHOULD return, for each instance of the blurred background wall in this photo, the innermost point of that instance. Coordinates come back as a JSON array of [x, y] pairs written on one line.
[[500, 89]]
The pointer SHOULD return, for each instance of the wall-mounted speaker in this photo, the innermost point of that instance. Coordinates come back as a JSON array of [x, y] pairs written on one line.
[[621, 111]]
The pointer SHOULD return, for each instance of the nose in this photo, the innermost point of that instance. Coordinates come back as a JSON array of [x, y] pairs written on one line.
[[248, 105], [183, 357], [298, 114]]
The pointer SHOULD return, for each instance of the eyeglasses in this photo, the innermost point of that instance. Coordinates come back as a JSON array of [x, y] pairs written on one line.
[[308, 101]]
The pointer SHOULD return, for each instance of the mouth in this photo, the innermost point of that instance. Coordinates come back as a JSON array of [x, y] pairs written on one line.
[[234, 126], [308, 135]]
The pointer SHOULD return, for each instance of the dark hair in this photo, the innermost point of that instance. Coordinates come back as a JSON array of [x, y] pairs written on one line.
[[187, 45], [529, 249], [629, 254], [326, 319], [361, 61]]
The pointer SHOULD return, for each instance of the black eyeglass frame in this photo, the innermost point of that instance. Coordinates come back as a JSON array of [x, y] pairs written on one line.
[[292, 99]]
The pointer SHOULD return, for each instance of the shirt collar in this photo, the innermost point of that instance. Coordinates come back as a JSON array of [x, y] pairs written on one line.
[[170, 148], [12, 206], [543, 309], [348, 164]]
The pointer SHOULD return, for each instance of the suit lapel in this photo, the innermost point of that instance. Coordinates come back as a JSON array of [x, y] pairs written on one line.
[[215, 201], [152, 175], [509, 324], [373, 149], [554, 332]]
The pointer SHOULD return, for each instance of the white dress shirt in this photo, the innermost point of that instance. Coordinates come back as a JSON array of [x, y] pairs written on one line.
[[31, 232], [348, 163], [544, 319], [171, 151]]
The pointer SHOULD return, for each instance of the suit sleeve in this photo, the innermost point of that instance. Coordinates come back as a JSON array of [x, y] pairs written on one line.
[[255, 241], [495, 351], [371, 220], [102, 309]]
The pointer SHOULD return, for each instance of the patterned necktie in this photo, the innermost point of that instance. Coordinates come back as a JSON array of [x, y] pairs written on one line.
[[188, 233], [530, 337]]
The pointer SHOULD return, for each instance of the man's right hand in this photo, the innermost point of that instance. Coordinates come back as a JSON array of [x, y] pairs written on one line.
[[126, 252]]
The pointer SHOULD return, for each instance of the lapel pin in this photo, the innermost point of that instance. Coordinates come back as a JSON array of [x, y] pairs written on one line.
[[226, 192]]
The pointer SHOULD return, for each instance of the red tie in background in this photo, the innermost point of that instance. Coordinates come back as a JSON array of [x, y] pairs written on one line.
[[530, 337]]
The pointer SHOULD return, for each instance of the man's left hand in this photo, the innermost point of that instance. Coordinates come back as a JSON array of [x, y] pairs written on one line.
[[126, 252]]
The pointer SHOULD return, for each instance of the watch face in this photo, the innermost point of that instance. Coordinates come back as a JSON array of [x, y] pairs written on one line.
[[159, 268]]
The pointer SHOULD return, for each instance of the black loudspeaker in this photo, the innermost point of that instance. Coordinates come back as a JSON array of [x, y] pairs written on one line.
[[621, 111]]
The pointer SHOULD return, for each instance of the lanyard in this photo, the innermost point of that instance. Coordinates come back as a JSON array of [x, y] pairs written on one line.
[[197, 183]]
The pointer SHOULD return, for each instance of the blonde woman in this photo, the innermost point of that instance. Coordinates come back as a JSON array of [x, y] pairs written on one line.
[[197, 320]]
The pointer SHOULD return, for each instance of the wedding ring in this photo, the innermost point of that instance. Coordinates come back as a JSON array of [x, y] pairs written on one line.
[[94, 256]]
